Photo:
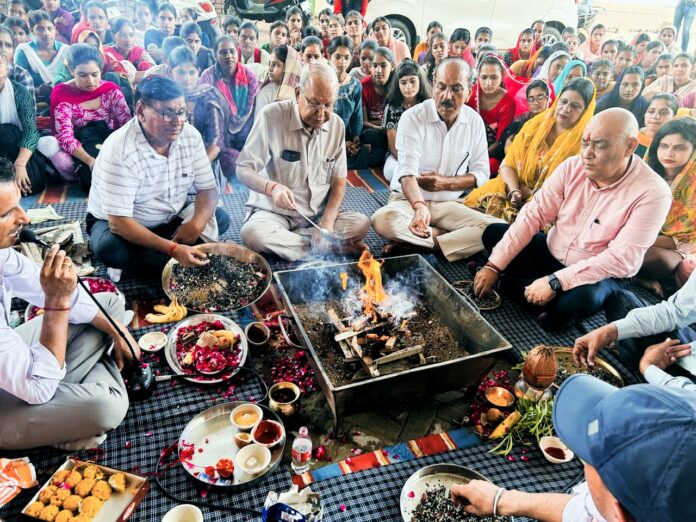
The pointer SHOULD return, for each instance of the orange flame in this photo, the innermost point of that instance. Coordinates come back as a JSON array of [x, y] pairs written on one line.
[[373, 291]]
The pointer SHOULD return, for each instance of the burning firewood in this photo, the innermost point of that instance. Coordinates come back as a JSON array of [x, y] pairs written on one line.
[[344, 280]]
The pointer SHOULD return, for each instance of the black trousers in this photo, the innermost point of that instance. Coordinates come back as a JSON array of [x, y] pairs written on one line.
[[116, 252], [91, 136], [10, 136], [535, 261], [377, 139]]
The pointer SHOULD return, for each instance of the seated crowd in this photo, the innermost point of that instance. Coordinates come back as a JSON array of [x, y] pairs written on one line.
[[572, 165]]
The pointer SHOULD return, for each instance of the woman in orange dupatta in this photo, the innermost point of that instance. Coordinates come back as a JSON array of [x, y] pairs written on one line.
[[543, 144], [672, 155]]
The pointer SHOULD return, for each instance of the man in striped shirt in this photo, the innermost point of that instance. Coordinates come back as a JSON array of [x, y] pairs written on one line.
[[137, 213]]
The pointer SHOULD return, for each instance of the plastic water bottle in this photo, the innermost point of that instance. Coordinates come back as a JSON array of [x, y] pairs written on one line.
[[301, 451]]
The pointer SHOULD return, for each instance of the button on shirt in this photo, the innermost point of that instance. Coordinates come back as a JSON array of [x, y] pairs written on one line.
[[597, 233], [31, 373], [277, 138], [131, 180], [425, 145]]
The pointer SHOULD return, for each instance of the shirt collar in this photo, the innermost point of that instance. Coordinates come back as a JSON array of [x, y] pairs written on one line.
[[144, 145]]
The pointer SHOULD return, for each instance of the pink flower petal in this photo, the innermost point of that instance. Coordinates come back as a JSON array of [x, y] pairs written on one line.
[[342, 507]]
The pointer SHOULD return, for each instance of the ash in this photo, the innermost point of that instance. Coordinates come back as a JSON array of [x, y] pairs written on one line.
[[436, 505], [223, 284]]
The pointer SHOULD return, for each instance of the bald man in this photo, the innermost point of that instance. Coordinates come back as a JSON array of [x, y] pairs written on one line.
[[294, 163], [605, 208], [442, 152]]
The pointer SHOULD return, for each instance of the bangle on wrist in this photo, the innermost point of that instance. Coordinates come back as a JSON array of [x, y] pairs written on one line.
[[20, 165], [487, 267], [498, 494], [273, 186], [413, 205], [509, 195], [172, 247], [493, 267]]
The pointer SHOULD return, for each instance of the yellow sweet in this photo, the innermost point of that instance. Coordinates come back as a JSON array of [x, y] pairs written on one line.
[[64, 516], [102, 490], [73, 479], [47, 493], [60, 477], [72, 503], [85, 487], [49, 513], [90, 506], [34, 509], [118, 482], [92, 472]]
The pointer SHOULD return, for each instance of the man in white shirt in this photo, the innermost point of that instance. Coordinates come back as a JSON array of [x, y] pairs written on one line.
[[138, 215], [442, 152], [294, 163], [58, 386]]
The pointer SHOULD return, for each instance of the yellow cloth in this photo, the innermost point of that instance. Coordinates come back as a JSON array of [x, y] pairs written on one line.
[[532, 159], [422, 47], [681, 220]]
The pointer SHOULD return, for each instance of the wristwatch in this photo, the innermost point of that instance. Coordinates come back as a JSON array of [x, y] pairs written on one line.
[[555, 283]]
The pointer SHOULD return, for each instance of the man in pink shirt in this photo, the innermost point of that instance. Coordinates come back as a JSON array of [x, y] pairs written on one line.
[[606, 207]]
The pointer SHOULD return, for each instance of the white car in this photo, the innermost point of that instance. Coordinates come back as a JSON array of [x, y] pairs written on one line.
[[410, 18]]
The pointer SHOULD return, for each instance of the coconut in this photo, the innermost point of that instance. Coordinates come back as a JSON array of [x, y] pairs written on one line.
[[540, 367]]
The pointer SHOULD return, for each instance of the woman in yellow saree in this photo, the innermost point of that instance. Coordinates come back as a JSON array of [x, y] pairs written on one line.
[[672, 154], [543, 144]]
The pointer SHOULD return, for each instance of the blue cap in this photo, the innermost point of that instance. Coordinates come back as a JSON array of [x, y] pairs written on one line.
[[641, 440]]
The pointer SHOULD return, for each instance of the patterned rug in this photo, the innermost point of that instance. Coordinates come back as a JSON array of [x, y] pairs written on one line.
[[370, 495]]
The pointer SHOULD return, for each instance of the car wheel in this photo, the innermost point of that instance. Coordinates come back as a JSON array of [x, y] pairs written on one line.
[[401, 31], [551, 36]]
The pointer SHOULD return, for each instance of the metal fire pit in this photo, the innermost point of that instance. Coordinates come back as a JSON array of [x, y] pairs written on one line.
[[474, 333]]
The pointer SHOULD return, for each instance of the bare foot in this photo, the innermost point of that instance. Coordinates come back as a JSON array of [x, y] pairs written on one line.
[[651, 285], [394, 248]]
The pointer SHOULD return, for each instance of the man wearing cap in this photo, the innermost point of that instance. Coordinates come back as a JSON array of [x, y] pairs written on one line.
[[638, 444]]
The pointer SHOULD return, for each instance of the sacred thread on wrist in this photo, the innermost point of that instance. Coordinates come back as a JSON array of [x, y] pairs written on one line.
[[413, 205], [172, 248], [56, 309], [273, 186]]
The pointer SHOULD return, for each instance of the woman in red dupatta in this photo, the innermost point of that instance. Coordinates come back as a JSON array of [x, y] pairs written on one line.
[[239, 87], [523, 50], [84, 111], [124, 54]]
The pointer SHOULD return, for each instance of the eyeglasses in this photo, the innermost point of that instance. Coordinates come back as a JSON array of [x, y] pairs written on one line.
[[537, 99], [251, 38], [169, 115], [317, 107]]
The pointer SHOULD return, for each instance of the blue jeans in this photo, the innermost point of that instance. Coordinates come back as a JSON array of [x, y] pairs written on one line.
[[116, 252], [536, 261], [684, 14]]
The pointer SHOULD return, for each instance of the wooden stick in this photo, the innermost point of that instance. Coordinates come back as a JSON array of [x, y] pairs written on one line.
[[400, 354], [348, 333]]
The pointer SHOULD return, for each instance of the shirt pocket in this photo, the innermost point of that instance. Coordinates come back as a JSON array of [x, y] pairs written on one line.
[[290, 173]]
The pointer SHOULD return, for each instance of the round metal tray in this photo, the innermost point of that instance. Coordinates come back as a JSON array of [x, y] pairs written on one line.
[[238, 252], [446, 475], [459, 286], [212, 431], [565, 354], [170, 348]]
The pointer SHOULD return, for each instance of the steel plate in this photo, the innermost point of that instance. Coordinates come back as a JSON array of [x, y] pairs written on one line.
[[170, 348], [238, 252], [446, 475], [212, 431]]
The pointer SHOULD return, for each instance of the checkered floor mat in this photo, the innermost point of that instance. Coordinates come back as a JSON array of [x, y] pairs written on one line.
[[372, 495]]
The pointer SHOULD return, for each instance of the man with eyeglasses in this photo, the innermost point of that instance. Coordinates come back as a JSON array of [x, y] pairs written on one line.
[[442, 152], [604, 208], [138, 217], [294, 163]]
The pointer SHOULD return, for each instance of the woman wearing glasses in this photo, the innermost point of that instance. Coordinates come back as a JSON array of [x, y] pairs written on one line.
[[238, 86], [84, 111], [543, 144]]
